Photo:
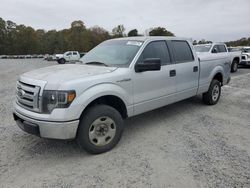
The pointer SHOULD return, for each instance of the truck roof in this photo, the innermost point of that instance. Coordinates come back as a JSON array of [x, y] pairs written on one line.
[[145, 38]]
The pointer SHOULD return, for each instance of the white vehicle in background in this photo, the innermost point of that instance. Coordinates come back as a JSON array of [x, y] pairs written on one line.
[[234, 49], [3, 56], [245, 56], [57, 56], [70, 56], [220, 50]]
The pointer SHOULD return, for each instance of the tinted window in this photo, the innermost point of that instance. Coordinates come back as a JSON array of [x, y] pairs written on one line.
[[222, 48], [183, 52], [74, 53], [157, 49], [69, 53]]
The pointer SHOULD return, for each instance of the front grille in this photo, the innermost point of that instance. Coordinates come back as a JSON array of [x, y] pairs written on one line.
[[28, 96], [244, 57]]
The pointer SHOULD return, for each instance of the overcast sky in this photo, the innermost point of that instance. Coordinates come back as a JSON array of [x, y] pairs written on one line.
[[216, 20]]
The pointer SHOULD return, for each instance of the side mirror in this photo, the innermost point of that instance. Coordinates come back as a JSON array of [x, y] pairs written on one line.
[[149, 64], [215, 51]]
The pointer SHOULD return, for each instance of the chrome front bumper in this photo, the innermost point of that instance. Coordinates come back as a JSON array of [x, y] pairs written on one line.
[[47, 129]]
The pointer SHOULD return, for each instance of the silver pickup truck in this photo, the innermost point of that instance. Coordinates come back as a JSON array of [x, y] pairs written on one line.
[[118, 79]]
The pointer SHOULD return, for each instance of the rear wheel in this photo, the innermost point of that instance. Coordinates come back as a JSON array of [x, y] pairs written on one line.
[[100, 129], [234, 66], [212, 96]]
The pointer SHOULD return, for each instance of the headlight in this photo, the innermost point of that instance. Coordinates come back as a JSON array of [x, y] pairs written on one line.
[[56, 99]]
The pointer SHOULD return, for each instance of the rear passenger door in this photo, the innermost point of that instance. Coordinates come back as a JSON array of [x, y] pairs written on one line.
[[223, 52], [74, 57], [187, 69]]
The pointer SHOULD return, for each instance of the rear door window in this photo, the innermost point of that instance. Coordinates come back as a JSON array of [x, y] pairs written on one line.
[[182, 52]]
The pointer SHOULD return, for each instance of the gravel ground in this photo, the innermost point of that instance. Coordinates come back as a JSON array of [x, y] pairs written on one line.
[[187, 144]]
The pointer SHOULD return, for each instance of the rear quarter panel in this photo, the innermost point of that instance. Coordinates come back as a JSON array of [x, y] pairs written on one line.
[[209, 67]]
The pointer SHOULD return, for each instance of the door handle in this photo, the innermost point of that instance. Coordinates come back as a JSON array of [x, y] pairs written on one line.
[[195, 69], [172, 73]]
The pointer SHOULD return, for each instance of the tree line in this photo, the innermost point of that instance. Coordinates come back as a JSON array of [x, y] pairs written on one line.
[[20, 39], [240, 42]]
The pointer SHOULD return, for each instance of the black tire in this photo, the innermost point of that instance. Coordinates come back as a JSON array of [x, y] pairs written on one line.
[[209, 97], [234, 66], [93, 114], [61, 61]]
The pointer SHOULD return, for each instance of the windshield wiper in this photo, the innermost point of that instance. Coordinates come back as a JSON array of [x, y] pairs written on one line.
[[96, 63]]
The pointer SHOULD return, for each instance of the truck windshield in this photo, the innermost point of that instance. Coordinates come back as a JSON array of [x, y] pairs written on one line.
[[117, 53], [202, 48]]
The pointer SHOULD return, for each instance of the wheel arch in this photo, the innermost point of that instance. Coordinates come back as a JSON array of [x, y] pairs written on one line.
[[109, 94], [110, 100], [236, 59], [218, 76]]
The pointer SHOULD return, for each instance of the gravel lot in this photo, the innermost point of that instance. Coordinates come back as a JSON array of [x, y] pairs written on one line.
[[187, 144]]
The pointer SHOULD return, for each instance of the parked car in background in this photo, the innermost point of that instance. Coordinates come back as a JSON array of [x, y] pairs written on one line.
[[21, 56], [3, 56], [70, 56], [46, 57], [245, 56], [220, 50], [33, 56], [27, 56], [57, 56], [40, 56], [119, 78]]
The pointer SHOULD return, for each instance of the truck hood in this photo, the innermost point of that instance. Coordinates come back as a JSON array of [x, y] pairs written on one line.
[[61, 73]]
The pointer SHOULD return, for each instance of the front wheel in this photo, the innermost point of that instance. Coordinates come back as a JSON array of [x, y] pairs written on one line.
[[100, 129], [61, 61], [212, 96]]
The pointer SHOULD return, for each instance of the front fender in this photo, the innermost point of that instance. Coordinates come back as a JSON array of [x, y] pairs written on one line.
[[100, 90]]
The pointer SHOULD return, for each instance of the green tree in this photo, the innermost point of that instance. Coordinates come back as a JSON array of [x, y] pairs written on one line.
[[203, 41], [78, 24], [118, 31], [2, 36], [10, 37], [132, 33], [75, 36], [160, 31]]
